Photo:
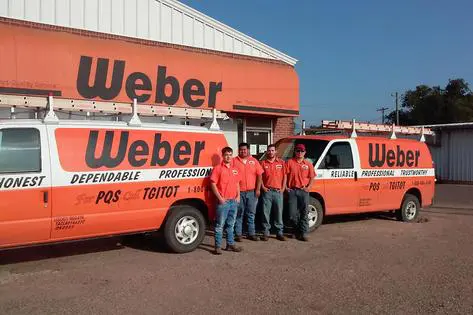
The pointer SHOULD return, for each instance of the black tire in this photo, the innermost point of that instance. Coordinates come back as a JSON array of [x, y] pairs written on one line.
[[315, 213], [409, 210], [184, 229]]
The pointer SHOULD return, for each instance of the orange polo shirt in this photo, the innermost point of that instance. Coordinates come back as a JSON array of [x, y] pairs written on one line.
[[248, 172], [227, 179], [299, 174], [273, 173]]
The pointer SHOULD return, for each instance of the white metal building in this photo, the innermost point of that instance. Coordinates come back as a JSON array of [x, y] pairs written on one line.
[[452, 152], [181, 27]]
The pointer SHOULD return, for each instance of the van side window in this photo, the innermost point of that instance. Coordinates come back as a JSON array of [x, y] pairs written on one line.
[[339, 156], [20, 150]]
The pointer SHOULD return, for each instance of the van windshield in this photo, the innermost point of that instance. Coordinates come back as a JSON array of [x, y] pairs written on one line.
[[314, 148]]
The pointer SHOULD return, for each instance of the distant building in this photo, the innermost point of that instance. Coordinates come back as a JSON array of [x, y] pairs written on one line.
[[452, 152]]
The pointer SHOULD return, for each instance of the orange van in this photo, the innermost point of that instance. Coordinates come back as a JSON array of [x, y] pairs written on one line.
[[83, 179], [365, 174]]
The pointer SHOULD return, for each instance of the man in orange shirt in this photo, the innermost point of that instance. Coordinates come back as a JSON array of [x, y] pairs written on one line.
[[300, 176], [250, 174], [274, 183], [224, 182]]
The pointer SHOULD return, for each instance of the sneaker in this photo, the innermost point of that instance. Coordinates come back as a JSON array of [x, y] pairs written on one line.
[[264, 238], [253, 238], [233, 248], [218, 251], [281, 237], [303, 238], [238, 238]]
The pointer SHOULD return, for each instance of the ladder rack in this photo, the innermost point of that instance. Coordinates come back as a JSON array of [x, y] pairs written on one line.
[[369, 127], [50, 104]]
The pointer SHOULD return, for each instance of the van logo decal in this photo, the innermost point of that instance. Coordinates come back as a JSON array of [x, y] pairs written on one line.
[[140, 152], [379, 156], [138, 85]]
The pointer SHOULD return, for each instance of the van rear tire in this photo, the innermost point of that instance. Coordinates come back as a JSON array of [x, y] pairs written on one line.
[[184, 229], [315, 213], [409, 210]]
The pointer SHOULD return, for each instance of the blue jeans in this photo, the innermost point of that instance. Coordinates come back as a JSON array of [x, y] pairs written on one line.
[[298, 200], [272, 198], [247, 207], [225, 216]]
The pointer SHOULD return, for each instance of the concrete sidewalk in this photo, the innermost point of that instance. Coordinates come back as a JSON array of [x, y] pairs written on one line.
[[453, 196]]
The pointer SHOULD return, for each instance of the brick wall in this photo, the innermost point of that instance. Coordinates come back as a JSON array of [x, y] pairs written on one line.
[[283, 127]]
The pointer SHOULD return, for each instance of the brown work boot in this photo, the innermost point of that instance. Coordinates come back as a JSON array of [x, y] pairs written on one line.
[[281, 237], [238, 238], [264, 238], [233, 248], [302, 238], [253, 238], [218, 251]]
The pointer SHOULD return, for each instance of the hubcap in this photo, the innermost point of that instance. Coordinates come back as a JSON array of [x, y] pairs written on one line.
[[411, 210], [186, 230], [312, 215]]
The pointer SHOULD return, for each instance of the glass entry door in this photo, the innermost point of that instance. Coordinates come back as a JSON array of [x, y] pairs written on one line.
[[258, 141]]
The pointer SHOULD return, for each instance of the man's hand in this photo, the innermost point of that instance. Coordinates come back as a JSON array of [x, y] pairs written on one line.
[[264, 188], [238, 199], [306, 189], [257, 193], [222, 201]]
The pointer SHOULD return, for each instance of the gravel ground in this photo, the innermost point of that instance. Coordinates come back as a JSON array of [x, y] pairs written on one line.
[[352, 265]]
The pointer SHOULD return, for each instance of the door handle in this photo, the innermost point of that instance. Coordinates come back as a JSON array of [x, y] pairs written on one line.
[[45, 198], [356, 175]]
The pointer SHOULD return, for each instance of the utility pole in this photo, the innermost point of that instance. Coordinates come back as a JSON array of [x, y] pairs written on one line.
[[382, 109], [396, 95]]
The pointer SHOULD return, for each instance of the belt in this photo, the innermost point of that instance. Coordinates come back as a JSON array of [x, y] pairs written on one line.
[[244, 191], [298, 188], [274, 189]]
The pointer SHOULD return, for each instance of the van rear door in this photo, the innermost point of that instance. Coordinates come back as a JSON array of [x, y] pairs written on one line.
[[25, 185]]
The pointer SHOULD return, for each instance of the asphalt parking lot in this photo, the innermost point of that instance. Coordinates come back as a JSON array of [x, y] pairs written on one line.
[[352, 265]]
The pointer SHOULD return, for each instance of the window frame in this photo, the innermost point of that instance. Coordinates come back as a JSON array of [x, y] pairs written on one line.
[[38, 133], [322, 160]]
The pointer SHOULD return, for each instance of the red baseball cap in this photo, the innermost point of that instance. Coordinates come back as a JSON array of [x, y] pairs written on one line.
[[300, 146]]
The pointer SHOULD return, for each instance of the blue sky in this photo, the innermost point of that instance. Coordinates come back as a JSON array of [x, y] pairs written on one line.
[[354, 54]]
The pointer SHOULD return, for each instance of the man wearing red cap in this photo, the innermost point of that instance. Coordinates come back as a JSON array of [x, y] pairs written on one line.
[[300, 176]]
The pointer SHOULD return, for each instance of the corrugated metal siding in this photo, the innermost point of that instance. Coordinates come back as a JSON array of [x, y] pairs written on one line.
[[454, 157], [166, 21]]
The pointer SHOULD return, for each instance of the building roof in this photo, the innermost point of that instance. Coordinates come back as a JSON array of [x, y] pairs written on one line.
[[167, 21], [464, 125]]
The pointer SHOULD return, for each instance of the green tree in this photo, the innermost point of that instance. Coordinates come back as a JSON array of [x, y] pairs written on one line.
[[434, 105]]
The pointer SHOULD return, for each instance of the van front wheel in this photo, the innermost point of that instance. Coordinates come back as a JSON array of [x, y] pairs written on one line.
[[315, 214], [184, 229], [409, 209]]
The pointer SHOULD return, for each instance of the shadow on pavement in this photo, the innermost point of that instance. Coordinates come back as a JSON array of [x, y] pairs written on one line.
[[147, 242], [41, 252]]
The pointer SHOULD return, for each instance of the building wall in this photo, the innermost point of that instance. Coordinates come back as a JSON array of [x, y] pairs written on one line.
[[454, 156], [166, 21], [283, 127]]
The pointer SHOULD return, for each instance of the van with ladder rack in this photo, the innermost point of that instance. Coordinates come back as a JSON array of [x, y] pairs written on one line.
[[359, 174], [63, 180]]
